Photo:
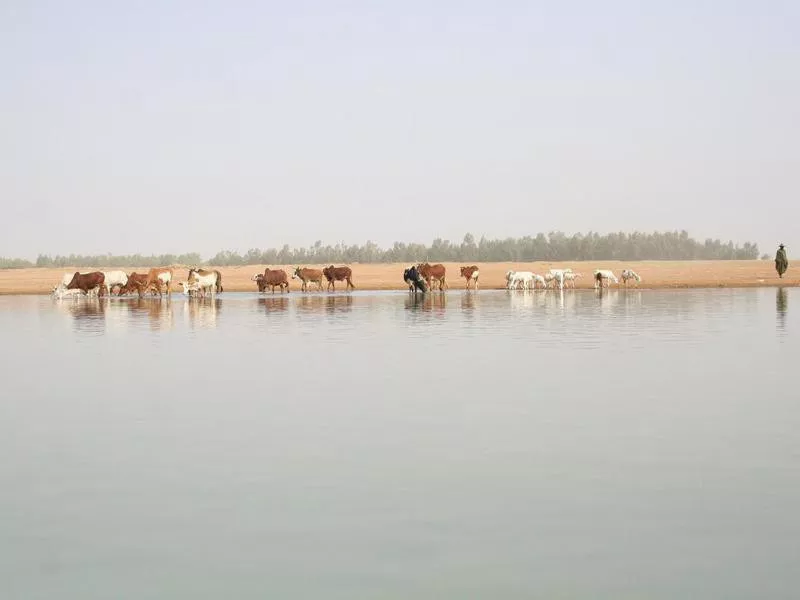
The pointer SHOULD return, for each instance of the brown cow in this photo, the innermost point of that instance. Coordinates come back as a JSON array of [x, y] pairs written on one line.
[[308, 276], [271, 277], [435, 272], [136, 283], [87, 281], [334, 274], [470, 274], [157, 276]]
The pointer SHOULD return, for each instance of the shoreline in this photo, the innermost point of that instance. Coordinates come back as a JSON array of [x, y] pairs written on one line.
[[388, 276]]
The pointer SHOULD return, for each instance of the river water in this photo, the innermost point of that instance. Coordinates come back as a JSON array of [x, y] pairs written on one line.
[[639, 444]]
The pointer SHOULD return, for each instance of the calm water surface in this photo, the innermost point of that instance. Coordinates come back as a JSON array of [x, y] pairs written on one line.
[[473, 445]]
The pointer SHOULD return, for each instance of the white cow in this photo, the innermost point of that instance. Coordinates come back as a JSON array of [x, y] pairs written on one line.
[[540, 280], [602, 277], [189, 289], [113, 278], [570, 276], [205, 280], [630, 274], [525, 278]]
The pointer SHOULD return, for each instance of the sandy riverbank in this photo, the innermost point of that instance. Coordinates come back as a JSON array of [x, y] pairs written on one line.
[[655, 274]]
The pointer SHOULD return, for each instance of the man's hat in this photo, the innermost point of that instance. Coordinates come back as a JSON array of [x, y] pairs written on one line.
[[780, 245]]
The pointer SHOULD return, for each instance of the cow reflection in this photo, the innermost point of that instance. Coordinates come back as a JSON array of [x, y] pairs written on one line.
[[203, 312], [334, 304], [468, 300], [86, 308], [275, 304], [89, 314], [426, 302], [156, 310], [310, 303]]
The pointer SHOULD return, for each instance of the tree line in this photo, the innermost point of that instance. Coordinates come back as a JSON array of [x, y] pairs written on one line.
[[554, 246]]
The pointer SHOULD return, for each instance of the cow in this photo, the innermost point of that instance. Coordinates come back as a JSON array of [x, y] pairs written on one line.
[[271, 278], [113, 279], [570, 276], [189, 289], [205, 280], [470, 274], [435, 272], [526, 278], [61, 291], [602, 277], [414, 280], [334, 274], [628, 274], [87, 281], [136, 283], [307, 276], [158, 276]]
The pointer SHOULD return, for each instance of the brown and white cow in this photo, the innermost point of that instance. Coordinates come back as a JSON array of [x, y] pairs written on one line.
[[87, 281], [158, 276], [435, 272], [271, 278], [334, 274], [470, 274], [308, 276]]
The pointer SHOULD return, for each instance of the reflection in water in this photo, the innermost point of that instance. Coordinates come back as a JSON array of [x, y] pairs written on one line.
[[158, 311], [781, 305], [523, 444], [338, 304], [89, 314], [310, 303], [203, 312], [275, 304], [468, 300], [426, 302]]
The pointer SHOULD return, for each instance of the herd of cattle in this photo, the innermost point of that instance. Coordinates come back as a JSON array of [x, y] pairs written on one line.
[[421, 277]]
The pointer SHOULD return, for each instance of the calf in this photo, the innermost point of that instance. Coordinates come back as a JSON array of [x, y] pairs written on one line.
[[470, 274], [307, 276]]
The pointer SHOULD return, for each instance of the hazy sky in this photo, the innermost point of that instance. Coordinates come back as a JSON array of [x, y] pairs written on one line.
[[180, 126]]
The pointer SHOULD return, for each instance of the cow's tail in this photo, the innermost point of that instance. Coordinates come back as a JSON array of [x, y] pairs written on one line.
[[219, 282]]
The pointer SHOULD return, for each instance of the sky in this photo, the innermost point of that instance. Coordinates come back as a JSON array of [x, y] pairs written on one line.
[[171, 127]]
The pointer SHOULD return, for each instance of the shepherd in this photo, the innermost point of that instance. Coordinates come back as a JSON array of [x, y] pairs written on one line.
[[781, 262]]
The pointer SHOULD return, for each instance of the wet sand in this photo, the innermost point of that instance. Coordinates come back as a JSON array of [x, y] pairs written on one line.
[[655, 274]]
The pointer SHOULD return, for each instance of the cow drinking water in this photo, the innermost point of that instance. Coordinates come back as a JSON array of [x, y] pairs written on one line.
[[433, 273], [414, 280]]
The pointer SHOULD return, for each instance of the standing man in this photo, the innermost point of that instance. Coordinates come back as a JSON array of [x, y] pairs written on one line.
[[781, 263]]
